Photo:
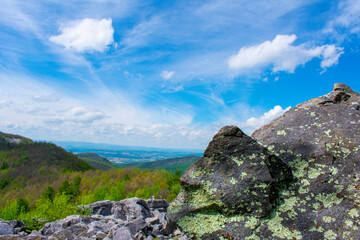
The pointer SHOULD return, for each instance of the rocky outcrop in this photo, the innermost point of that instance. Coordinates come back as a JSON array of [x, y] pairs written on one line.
[[295, 178], [124, 220]]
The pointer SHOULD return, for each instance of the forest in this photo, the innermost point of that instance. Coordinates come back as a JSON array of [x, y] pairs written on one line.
[[41, 182]]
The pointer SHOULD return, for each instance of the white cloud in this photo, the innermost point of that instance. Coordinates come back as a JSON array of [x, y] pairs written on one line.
[[173, 89], [167, 74], [348, 18], [282, 55], [254, 123], [78, 114], [112, 119], [86, 35]]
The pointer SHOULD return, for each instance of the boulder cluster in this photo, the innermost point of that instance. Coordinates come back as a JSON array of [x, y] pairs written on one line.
[[294, 178], [128, 219]]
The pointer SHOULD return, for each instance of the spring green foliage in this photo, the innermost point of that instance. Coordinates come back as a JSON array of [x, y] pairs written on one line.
[[40, 180], [49, 193], [60, 198]]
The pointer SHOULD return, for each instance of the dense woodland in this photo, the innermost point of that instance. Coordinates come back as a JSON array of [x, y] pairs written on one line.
[[43, 181]]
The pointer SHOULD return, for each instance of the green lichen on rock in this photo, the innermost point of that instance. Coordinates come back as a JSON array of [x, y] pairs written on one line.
[[243, 183], [200, 224], [296, 178], [281, 132], [279, 230]]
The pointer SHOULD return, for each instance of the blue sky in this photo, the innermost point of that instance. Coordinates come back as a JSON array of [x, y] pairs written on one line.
[[167, 73]]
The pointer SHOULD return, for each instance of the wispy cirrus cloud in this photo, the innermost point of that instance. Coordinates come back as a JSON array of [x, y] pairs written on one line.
[[281, 54], [347, 21], [86, 35]]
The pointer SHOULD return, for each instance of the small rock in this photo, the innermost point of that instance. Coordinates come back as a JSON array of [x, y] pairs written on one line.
[[100, 235], [97, 217], [140, 236], [137, 225], [16, 224], [152, 220], [157, 203], [6, 229], [62, 234], [129, 209], [177, 232], [168, 226], [122, 233], [100, 208], [158, 230]]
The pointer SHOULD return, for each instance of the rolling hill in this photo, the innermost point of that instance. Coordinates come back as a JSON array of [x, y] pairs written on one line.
[[97, 161], [24, 162], [170, 164]]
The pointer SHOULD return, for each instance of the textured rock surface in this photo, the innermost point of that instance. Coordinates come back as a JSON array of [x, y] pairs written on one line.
[[132, 218], [236, 183], [5, 228], [318, 139]]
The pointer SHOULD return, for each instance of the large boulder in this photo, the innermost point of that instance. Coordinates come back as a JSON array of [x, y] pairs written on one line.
[[236, 183], [315, 147], [320, 140]]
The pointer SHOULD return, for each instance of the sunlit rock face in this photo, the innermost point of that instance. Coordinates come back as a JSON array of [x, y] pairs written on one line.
[[236, 182], [295, 178]]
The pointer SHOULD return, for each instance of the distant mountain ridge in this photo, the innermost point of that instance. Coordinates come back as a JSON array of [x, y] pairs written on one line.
[[126, 154], [170, 164], [97, 161]]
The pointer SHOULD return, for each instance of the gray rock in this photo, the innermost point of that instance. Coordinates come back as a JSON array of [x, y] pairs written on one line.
[[296, 178], [158, 230], [131, 219], [157, 203], [6, 229], [100, 208], [320, 140], [123, 233], [100, 227], [16, 224], [237, 177], [168, 226], [51, 228], [137, 225], [100, 235], [129, 209], [140, 235], [152, 220], [62, 234], [71, 220]]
